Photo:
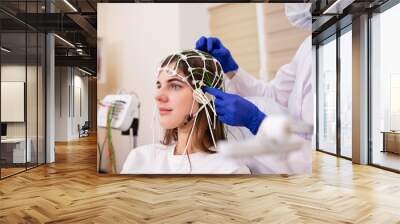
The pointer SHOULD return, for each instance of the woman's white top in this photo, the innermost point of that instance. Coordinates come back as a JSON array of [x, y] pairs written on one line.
[[160, 159]]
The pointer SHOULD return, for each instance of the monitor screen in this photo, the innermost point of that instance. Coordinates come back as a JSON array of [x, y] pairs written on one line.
[[3, 129]]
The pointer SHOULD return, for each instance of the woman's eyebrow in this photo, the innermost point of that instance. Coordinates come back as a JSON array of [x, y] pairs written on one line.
[[175, 79]]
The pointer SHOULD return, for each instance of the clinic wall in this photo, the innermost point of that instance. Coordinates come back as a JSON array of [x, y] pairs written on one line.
[[132, 51], [236, 25], [195, 27], [281, 38], [67, 114]]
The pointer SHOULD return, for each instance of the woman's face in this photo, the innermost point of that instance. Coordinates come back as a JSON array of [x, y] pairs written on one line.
[[174, 100]]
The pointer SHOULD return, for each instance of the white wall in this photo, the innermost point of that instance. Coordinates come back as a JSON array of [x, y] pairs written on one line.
[[66, 121], [16, 73], [135, 38], [79, 117], [61, 103], [194, 23], [33, 127]]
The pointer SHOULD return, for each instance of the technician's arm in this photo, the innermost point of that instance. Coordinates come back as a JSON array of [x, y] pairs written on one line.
[[246, 85]]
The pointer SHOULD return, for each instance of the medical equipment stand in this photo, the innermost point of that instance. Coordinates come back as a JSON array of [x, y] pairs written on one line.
[[135, 127]]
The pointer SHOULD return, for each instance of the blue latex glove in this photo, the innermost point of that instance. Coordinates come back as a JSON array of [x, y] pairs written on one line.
[[234, 110], [214, 47]]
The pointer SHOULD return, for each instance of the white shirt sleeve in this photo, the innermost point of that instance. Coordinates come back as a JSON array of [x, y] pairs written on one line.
[[138, 158]]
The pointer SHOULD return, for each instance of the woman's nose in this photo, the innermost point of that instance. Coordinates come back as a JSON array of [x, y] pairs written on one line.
[[161, 96]]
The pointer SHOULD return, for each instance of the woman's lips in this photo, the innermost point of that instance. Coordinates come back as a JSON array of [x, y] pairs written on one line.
[[164, 111]]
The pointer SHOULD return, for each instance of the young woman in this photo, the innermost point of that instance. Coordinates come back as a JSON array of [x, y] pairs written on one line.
[[187, 115]]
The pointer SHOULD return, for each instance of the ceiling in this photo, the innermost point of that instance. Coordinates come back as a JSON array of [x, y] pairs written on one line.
[[76, 22], [329, 16]]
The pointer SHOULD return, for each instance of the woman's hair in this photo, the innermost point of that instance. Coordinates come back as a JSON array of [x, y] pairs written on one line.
[[202, 138]]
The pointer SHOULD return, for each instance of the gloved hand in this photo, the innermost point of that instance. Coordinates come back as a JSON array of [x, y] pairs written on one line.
[[234, 110], [214, 47]]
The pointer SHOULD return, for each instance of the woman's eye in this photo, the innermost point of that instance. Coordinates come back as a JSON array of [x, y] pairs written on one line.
[[175, 87]]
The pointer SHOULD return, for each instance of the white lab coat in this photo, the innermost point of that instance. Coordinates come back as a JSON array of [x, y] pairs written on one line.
[[292, 89]]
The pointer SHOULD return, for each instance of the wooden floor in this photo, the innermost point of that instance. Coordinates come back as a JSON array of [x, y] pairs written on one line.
[[10, 171], [70, 191]]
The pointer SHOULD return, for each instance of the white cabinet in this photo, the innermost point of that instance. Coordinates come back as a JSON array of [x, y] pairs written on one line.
[[18, 149]]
